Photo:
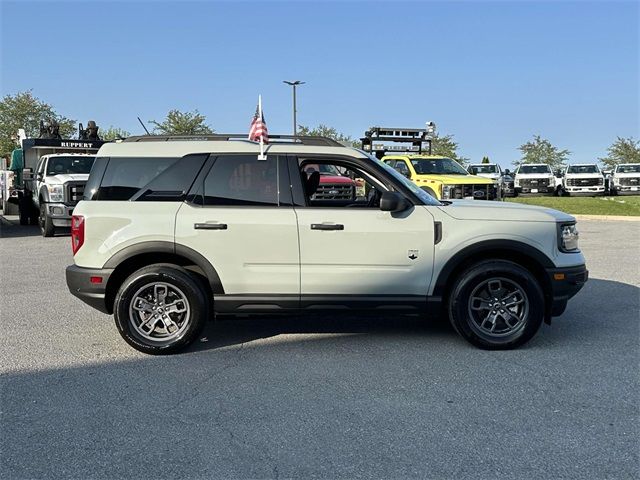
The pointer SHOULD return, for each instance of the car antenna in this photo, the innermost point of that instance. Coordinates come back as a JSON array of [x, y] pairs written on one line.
[[145, 128]]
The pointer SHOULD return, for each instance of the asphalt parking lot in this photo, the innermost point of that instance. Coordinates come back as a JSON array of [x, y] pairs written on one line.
[[318, 397]]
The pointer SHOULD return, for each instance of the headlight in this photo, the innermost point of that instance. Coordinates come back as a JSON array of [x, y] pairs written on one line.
[[516, 183], [568, 237], [56, 193], [446, 191]]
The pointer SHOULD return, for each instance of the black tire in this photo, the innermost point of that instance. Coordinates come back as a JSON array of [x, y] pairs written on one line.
[[46, 222], [183, 289], [468, 316]]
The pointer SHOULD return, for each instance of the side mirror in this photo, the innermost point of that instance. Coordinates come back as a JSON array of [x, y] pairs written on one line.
[[40, 176], [393, 202]]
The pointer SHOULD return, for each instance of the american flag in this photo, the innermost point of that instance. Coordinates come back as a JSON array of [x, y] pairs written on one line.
[[258, 129]]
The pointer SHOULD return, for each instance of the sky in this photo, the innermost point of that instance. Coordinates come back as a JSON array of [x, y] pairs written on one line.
[[493, 74]]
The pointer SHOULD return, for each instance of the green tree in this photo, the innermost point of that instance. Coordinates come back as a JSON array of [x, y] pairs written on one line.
[[113, 133], [182, 123], [325, 131], [485, 159], [446, 146], [540, 150], [623, 150], [23, 110]]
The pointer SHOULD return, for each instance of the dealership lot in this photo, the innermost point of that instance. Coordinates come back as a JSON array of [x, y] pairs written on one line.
[[317, 397]]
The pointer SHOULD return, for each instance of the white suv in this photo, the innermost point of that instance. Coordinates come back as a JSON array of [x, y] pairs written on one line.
[[175, 230]]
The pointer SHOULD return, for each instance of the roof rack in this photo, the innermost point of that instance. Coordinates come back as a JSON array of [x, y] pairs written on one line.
[[297, 139], [417, 137]]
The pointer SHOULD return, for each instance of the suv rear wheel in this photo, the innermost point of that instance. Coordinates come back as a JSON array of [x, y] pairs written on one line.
[[496, 305], [160, 309]]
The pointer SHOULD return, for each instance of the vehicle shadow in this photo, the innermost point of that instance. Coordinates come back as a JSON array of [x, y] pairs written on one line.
[[10, 228], [583, 319], [229, 331]]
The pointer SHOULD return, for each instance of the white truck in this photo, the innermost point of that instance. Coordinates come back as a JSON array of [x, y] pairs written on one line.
[[583, 179], [49, 182], [494, 172], [57, 186], [535, 178], [626, 179]]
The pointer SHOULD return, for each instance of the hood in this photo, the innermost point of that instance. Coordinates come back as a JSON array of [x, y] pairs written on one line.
[[457, 179], [493, 176], [534, 175], [584, 175], [503, 211], [627, 175], [324, 179], [67, 177]]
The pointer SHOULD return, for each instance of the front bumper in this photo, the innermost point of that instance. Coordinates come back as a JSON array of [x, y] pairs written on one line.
[[60, 214], [585, 190], [79, 282], [621, 189], [565, 283]]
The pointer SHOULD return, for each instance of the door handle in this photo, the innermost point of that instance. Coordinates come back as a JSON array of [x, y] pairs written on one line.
[[327, 226], [210, 226]]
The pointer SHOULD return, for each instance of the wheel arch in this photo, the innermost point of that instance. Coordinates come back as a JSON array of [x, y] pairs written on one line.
[[525, 255], [134, 257]]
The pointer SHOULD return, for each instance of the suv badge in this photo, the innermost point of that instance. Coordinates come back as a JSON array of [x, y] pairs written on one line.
[[413, 254]]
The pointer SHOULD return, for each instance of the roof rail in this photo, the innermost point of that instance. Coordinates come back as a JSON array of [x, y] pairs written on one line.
[[300, 139]]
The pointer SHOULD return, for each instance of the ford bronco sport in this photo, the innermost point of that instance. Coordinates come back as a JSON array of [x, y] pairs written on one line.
[[175, 230]]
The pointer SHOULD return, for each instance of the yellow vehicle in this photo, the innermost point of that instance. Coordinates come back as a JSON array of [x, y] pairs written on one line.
[[443, 178]]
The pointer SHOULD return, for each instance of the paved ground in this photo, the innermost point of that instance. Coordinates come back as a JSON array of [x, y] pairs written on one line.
[[321, 397]]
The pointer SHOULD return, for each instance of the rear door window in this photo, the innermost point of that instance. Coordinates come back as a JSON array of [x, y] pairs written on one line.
[[242, 180], [123, 177]]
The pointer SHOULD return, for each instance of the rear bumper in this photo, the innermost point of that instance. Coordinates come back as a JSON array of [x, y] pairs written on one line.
[[565, 283], [80, 284]]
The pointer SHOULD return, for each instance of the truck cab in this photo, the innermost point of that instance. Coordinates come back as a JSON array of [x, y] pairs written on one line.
[[583, 179], [58, 185]]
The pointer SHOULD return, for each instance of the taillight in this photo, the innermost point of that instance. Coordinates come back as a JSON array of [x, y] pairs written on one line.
[[77, 232]]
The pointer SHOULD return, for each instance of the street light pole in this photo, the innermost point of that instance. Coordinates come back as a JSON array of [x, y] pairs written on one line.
[[294, 84]]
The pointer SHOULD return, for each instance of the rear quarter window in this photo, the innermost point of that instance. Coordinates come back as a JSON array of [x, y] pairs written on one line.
[[124, 176]]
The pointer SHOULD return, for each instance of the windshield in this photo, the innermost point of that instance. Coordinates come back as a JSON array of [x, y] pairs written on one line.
[[476, 169], [534, 169], [421, 194], [437, 166], [628, 168], [65, 165], [583, 169]]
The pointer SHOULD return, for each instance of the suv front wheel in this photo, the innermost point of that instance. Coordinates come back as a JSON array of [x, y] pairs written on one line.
[[496, 305], [160, 309]]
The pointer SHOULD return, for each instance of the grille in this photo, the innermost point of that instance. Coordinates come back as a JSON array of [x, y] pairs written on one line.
[[478, 192], [630, 182], [584, 182], [73, 192], [335, 191], [534, 182]]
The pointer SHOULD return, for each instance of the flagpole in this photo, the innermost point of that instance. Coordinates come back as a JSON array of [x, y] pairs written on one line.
[[261, 157]]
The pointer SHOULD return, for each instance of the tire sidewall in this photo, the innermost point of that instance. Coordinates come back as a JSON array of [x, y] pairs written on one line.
[[45, 222], [469, 280], [175, 276]]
